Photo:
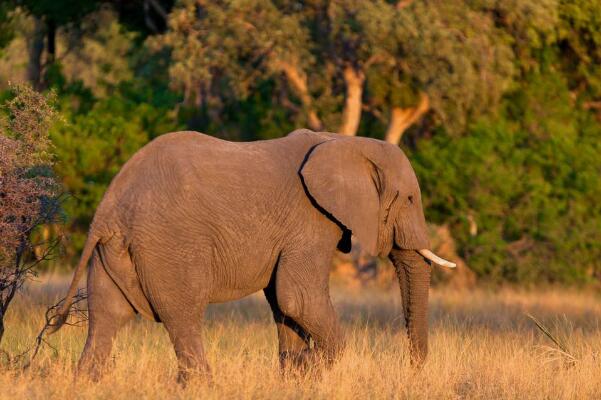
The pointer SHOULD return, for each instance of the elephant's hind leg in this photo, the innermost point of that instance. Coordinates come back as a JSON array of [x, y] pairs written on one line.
[[179, 295], [185, 332], [109, 310]]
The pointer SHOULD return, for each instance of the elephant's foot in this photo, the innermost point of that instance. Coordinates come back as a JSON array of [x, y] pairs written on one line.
[[417, 359], [200, 375], [299, 364], [295, 360], [303, 363], [91, 369]]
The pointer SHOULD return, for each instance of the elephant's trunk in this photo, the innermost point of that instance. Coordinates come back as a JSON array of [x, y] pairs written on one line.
[[414, 273]]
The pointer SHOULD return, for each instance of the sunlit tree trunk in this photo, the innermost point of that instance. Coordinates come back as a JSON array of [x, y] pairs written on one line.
[[298, 80], [403, 4], [403, 118], [351, 116]]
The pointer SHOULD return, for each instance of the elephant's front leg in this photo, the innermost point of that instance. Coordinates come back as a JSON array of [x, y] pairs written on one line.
[[302, 293], [293, 340]]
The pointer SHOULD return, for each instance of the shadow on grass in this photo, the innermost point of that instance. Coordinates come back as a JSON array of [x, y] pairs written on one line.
[[473, 313]]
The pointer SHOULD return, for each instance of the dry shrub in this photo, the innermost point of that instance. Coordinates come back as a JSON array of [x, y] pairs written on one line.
[[28, 190]]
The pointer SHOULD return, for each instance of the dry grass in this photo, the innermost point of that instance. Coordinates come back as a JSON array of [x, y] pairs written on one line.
[[482, 346]]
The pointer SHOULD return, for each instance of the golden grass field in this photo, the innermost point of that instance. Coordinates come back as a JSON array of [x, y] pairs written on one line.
[[482, 346]]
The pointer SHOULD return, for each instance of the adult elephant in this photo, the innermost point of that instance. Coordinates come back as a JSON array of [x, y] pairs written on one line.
[[192, 220]]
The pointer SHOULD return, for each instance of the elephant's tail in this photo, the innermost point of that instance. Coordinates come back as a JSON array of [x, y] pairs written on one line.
[[63, 312]]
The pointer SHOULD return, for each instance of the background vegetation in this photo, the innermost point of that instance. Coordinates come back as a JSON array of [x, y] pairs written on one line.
[[497, 103]]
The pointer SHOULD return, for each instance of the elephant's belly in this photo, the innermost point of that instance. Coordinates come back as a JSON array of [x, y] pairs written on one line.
[[225, 295], [240, 277]]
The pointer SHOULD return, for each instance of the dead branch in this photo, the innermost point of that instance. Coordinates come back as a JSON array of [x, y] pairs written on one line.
[[78, 316]]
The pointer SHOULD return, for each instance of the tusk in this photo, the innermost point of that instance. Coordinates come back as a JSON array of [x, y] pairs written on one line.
[[435, 259]]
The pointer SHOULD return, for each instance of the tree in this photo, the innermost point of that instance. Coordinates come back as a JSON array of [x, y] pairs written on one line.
[[222, 50], [7, 31], [99, 59], [28, 190], [341, 58], [580, 41], [450, 60], [48, 17]]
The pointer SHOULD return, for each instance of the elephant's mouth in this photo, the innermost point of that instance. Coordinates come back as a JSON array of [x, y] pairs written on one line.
[[417, 239]]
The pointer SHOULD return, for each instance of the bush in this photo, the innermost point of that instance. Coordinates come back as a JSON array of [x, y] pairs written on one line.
[[28, 189]]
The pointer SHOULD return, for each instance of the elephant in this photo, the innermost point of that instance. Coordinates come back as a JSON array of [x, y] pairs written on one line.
[[192, 219]]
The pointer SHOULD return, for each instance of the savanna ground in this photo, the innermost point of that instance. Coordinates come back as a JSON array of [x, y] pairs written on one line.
[[482, 346]]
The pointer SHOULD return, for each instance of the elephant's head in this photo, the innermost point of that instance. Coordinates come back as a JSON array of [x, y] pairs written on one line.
[[370, 189]]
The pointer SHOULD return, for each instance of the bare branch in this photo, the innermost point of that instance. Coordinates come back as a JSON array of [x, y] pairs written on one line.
[[76, 311]]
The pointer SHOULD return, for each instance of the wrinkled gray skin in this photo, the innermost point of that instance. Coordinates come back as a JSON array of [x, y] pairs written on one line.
[[192, 220]]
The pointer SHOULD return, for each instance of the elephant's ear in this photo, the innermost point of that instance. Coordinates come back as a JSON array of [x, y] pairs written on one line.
[[343, 182]]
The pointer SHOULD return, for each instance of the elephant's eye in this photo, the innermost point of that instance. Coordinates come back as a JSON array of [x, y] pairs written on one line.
[[410, 198]]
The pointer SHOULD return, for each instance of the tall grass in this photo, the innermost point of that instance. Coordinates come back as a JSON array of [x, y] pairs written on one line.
[[482, 346]]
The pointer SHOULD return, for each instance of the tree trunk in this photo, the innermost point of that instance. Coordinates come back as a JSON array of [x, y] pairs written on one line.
[[10, 284], [403, 118], [298, 80], [403, 4], [35, 49], [50, 42], [351, 115]]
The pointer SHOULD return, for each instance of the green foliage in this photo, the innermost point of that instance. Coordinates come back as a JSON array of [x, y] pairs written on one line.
[[530, 180], [221, 50], [7, 29], [529, 27], [457, 56], [60, 12], [100, 58], [92, 146], [579, 31]]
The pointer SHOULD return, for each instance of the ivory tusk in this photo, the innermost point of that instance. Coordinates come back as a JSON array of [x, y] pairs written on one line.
[[435, 259]]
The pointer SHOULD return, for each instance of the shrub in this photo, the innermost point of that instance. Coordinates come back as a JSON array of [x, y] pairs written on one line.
[[28, 190]]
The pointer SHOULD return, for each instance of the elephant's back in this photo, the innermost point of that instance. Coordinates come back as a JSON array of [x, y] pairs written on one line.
[[141, 178], [185, 175]]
